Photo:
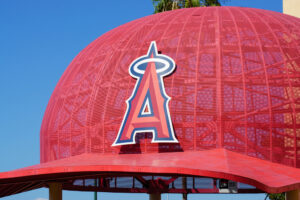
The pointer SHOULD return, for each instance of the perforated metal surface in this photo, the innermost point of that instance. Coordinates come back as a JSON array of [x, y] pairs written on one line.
[[236, 86]]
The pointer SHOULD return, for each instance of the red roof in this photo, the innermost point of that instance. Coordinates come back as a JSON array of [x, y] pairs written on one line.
[[217, 163], [234, 100]]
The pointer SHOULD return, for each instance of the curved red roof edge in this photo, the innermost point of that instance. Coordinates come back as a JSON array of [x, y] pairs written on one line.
[[227, 165]]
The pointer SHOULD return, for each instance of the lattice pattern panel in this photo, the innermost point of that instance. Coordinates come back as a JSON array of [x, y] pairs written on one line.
[[236, 86]]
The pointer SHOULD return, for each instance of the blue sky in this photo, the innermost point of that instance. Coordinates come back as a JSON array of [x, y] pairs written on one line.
[[38, 39]]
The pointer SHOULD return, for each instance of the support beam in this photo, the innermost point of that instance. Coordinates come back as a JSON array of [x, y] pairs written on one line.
[[292, 195], [95, 193], [55, 191], [95, 196], [184, 186], [155, 196]]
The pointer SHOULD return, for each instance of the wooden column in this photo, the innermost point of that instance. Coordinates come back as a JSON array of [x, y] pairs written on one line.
[[155, 196], [292, 195], [55, 191]]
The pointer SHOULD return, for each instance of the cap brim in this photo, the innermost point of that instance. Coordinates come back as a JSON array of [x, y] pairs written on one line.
[[217, 163]]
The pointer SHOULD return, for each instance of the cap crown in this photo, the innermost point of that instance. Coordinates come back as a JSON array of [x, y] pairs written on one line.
[[236, 86]]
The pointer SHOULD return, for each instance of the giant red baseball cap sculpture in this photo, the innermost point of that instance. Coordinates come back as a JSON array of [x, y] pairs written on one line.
[[177, 96]]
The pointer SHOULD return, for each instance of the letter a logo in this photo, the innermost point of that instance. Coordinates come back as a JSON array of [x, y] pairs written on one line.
[[147, 107]]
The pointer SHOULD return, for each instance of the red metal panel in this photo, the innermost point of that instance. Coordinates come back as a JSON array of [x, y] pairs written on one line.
[[236, 86], [216, 163]]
